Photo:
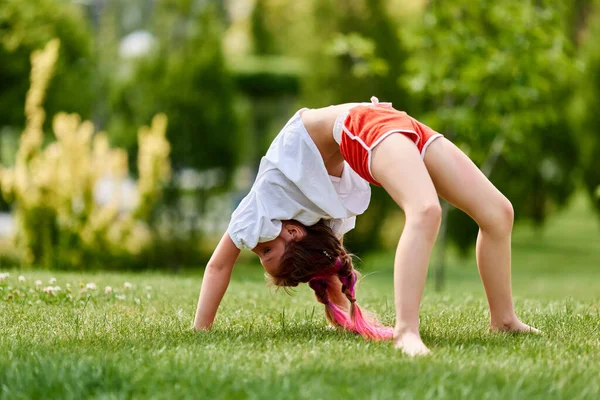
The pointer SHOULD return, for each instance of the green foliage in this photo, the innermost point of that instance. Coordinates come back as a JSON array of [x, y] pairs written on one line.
[[357, 54], [29, 25], [263, 40], [588, 122], [267, 76], [496, 79]]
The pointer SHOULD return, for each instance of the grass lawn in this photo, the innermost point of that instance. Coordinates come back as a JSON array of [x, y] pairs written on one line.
[[136, 342]]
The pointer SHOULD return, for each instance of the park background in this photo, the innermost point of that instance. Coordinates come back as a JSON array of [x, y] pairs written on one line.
[[129, 131]]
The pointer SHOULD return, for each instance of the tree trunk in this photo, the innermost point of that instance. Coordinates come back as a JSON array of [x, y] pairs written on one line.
[[440, 261]]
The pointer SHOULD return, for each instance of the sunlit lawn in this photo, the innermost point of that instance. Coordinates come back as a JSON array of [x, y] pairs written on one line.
[[137, 342]]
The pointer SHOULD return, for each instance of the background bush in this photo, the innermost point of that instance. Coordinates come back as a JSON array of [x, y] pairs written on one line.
[[60, 220], [520, 98]]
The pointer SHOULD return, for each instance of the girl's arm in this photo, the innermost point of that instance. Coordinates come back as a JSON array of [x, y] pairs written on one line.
[[215, 282]]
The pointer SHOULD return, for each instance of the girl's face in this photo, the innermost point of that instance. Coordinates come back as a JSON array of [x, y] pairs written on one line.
[[270, 252]]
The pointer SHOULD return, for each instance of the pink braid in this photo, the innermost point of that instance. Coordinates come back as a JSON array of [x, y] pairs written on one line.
[[355, 322], [334, 313], [368, 328]]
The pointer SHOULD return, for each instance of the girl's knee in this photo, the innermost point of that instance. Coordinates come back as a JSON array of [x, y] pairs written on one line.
[[508, 212], [499, 218], [427, 216]]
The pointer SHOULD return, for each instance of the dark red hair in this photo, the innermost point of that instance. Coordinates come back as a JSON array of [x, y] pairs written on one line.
[[315, 259]]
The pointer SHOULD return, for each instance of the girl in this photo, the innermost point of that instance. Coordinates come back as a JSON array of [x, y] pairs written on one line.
[[313, 182]]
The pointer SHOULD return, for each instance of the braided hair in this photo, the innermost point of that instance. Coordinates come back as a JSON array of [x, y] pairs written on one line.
[[317, 258]]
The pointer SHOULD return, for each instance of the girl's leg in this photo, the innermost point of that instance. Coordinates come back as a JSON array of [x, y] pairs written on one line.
[[397, 165], [462, 184]]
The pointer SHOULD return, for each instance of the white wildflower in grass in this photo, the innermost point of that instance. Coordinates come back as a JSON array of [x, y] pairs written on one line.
[[22, 278], [128, 285], [38, 284], [68, 285], [52, 281], [49, 289], [57, 288], [3, 276], [91, 286], [120, 297], [148, 288], [108, 290]]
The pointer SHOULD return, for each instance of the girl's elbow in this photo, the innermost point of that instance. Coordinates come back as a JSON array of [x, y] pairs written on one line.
[[216, 267]]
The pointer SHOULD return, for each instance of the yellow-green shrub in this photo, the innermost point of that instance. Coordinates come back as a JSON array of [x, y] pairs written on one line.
[[59, 223]]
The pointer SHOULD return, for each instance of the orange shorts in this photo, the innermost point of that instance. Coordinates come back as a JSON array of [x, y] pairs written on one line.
[[363, 127]]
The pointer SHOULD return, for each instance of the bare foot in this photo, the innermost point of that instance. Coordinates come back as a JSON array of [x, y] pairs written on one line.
[[514, 326], [411, 344]]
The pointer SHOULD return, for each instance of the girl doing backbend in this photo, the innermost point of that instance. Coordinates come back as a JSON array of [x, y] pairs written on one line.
[[312, 183]]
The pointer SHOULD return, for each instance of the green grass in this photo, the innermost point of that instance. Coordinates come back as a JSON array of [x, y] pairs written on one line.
[[268, 345]]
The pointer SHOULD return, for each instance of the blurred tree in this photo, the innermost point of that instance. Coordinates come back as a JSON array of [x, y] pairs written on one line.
[[587, 117], [263, 39], [356, 53], [177, 67], [183, 75], [499, 90], [28, 25], [578, 18], [268, 77]]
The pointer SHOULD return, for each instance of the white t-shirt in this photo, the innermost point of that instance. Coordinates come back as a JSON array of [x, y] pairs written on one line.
[[293, 184]]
